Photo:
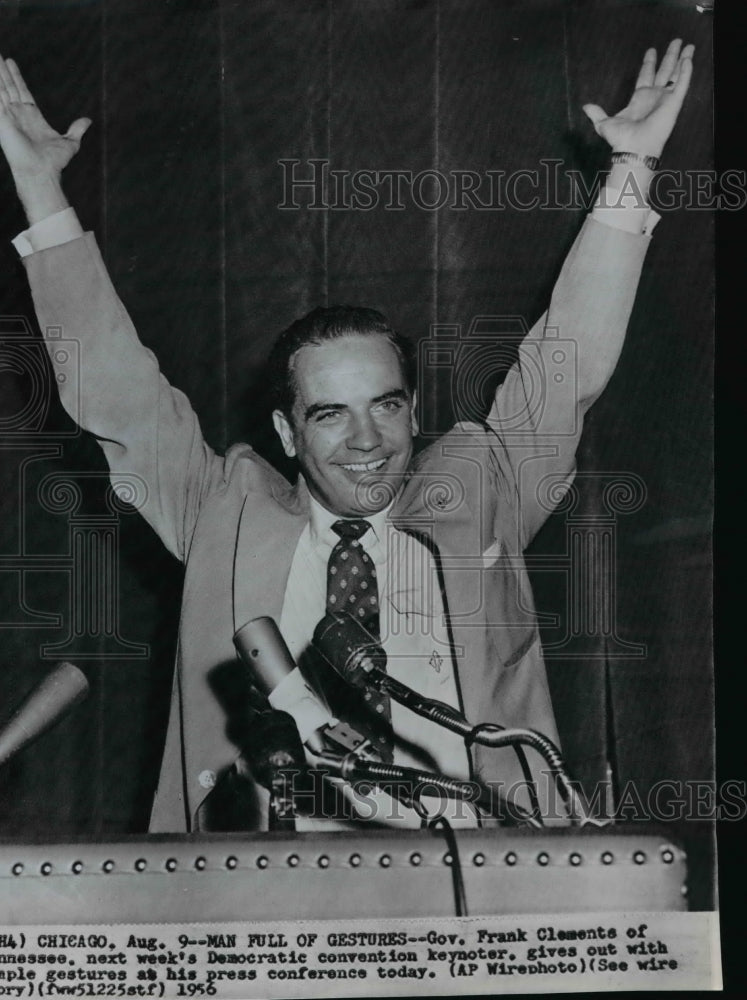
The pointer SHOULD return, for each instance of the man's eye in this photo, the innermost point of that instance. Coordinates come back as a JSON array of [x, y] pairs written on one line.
[[390, 405], [327, 415]]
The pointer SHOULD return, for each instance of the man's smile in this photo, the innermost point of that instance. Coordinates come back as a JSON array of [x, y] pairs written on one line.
[[364, 466]]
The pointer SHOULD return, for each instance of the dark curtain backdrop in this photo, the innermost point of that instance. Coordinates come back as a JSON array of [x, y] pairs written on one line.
[[193, 106]]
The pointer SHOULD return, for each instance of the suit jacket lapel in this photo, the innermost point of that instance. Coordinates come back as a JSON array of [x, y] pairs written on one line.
[[266, 541]]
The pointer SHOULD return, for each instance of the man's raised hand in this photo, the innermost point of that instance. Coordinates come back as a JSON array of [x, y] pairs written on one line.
[[645, 124], [36, 154], [32, 147]]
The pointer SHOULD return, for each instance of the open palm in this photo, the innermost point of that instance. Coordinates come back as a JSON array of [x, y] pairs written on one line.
[[31, 146], [646, 122]]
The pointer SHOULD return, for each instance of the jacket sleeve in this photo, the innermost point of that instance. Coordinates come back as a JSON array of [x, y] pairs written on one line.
[[145, 427], [535, 423]]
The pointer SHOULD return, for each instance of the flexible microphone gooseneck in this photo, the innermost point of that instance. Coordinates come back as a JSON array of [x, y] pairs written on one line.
[[360, 661]]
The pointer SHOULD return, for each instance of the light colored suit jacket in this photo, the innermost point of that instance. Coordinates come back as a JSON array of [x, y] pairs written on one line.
[[477, 496]]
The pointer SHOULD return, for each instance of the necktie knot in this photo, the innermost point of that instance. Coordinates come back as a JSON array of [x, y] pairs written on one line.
[[351, 530]]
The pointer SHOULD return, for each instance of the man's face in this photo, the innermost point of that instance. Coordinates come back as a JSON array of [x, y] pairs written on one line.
[[353, 423]]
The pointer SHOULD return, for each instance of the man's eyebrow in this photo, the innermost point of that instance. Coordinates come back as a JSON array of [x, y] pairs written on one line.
[[393, 394], [320, 407]]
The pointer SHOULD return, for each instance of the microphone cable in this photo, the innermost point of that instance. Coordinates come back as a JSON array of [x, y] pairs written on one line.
[[457, 875]]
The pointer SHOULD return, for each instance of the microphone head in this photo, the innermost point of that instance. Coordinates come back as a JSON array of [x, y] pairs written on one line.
[[261, 646], [55, 695], [263, 652], [351, 650]]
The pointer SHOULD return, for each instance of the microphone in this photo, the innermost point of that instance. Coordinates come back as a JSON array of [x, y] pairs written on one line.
[[261, 646], [351, 650], [55, 695], [267, 739], [270, 744], [263, 649], [361, 661]]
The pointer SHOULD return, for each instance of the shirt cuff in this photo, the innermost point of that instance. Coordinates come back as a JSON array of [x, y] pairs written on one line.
[[293, 695], [62, 227], [624, 211]]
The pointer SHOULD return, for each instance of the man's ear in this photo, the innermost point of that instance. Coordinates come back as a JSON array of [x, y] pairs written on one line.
[[284, 432], [413, 418]]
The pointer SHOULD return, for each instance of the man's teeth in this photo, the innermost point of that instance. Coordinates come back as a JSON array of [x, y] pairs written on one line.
[[365, 466]]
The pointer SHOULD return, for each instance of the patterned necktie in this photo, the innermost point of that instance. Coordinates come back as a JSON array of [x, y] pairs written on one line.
[[352, 587]]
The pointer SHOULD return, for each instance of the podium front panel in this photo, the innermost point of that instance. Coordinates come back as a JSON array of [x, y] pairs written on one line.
[[230, 877]]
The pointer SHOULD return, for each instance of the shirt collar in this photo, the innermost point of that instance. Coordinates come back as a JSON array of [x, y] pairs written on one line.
[[321, 521]]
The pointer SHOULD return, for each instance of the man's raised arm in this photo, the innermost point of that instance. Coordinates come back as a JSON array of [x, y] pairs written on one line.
[[593, 297], [637, 136], [143, 424]]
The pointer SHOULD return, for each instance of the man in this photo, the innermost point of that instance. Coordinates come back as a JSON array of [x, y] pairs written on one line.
[[436, 541]]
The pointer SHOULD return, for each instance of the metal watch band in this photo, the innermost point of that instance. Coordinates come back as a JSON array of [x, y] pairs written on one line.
[[652, 162]]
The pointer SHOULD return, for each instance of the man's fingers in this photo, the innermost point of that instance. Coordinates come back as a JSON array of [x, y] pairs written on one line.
[[23, 91], [685, 68], [594, 113], [668, 63], [648, 70], [687, 53], [78, 129], [8, 85]]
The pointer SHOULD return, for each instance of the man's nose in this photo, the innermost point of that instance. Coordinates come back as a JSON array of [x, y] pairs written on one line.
[[364, 434]]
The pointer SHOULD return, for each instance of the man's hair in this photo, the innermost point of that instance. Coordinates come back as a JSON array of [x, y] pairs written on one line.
[[318, 327]]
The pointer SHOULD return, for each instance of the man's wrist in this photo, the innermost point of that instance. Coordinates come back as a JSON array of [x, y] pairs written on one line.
[[41, 196], [633, 179]]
